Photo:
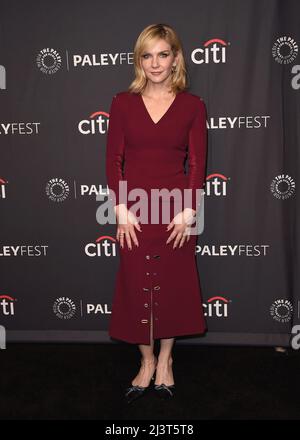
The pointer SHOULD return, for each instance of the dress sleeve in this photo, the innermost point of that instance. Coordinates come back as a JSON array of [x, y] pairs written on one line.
[[197, 152], [115, 147]]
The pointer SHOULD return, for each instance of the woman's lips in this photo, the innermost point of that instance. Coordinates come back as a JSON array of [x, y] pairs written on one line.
[[156, 73]]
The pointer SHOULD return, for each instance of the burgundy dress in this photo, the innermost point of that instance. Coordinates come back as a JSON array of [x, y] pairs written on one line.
[[155, 283]]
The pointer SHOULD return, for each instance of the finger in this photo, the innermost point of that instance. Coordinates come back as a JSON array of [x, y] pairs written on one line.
[[138, 226], [182, 241], [173, 235], [170, 225], [122, 240], [134, 237], [187, 233], [128, 240], [177, 239]]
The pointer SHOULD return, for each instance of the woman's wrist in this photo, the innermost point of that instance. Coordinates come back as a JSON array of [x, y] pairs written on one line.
[[119, 207], [190, 211]]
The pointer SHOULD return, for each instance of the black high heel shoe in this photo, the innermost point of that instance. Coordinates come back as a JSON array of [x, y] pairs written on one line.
[[135, 391], [164, 392]]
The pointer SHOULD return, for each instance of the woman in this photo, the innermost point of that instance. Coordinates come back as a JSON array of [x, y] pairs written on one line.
[[153, 127]]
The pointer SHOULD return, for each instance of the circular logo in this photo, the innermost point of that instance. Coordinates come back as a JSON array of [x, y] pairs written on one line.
[[48, 61], [281, 310], [283, 186], [285, 50], [57, 190], [64, 308]]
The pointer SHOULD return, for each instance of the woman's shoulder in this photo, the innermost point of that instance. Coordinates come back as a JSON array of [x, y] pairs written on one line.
[[123, 95], [193, 97], [123, 99], [195, 102]]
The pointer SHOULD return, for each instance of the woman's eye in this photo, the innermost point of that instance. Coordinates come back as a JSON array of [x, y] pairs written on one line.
[[162, 54]]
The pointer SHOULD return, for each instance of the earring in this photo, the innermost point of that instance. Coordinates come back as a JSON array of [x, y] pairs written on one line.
[[174, 68]]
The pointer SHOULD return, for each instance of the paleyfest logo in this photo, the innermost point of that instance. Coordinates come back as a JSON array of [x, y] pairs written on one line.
[[64, 308], [285, 50], [282, 186], [48, 61], [57, 189], [281, 310]]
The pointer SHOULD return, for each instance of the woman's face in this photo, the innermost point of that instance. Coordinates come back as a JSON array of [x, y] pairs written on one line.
[[158, 57]]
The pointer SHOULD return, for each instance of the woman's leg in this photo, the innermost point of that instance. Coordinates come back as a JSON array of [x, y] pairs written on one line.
[[148, 362], [164, 373]]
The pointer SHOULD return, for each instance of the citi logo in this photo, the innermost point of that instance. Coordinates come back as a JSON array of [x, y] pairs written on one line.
[[217, 306], [2, 188], [214, 51], [96, 123], [216, 185], [7, 305], [105, 246]]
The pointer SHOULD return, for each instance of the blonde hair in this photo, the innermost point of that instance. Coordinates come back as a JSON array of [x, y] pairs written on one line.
[[156, 31]]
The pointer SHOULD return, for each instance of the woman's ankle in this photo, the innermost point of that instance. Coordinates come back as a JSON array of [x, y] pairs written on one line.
[[163, 360], [149, 361]]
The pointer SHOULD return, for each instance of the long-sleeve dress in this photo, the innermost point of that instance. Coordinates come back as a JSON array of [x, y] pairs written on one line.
[[156, 284]]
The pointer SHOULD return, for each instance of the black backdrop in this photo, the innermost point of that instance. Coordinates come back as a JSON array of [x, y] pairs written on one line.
[[61, 63]]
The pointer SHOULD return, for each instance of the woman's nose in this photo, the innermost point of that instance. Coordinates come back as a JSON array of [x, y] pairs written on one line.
[[155, 62]]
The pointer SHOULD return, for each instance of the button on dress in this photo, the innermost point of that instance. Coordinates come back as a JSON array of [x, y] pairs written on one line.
[[154, 282]]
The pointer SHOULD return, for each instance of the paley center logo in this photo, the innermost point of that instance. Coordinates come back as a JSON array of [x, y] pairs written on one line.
[[216, 306], [281, 310], [48, 61], [283, 186], [57, 189], [285, 50], [7, 305], [104, 246], [64, 307], [213, 51]]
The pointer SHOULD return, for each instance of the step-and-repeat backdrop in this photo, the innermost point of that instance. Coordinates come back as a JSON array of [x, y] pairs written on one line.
[[60, 65]]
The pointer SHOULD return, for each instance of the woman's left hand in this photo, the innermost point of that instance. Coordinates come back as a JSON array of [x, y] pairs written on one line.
[[182, 227]]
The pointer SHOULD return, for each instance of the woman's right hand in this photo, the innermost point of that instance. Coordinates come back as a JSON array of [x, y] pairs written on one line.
[[127, 222]]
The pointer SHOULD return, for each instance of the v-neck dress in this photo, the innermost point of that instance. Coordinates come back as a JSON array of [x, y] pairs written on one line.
[[156, 284]]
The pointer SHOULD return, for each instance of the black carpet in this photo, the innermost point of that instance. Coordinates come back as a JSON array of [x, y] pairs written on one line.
[[86, 381]]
